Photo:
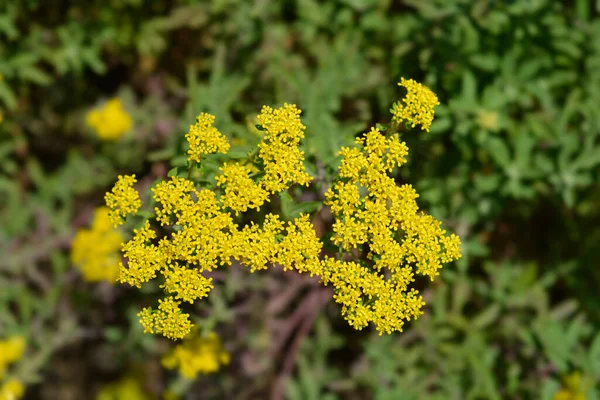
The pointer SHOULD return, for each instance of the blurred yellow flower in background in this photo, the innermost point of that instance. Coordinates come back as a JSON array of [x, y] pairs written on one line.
[[573, 388], [109, 121], [11, 350], [96, 251], [11, 390], [197, 355], [487, 119], [129, 388]]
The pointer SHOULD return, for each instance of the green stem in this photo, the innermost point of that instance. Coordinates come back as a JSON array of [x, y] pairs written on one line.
[[190, 168]]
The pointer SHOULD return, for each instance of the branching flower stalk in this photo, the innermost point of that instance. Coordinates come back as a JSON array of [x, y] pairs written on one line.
[[382, 239]]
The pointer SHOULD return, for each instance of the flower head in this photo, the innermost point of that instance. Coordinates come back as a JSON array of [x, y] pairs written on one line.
[[11, 350], [204, 138], [417, 106], [375, 216], [197, 355], [123, 199], [168, 320], [12, 389], [143, 258], [279, 152], [96, 251], [110, 121], [241, 192]]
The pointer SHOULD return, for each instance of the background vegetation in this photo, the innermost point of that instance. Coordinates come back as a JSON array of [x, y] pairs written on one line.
[[512, 164]]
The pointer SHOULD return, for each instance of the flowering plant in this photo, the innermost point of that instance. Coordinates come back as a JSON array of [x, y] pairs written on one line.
[[380, 241]]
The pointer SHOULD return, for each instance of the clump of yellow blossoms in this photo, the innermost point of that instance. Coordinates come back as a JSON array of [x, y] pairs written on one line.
[[122, 200], [204, 138], [197, 355], [110, 121], [283, 161], [383, 226], [96, 251], [417, 106], [383, 240], [11, 350]]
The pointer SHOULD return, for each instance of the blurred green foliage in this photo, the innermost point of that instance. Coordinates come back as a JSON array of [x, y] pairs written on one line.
[[512, 164]]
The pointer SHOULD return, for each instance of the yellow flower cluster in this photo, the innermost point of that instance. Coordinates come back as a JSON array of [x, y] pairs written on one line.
[[205, 236], [383, 223], [204, 138], [168, 320], [417, 106], [96, 251], [110, 121], [123, 199], [376, 221], [197, 355], [11, 350], [283, 160], [241, 192]]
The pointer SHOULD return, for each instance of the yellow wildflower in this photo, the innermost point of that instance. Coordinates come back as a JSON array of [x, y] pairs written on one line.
[[282, 159], [417, 106], [241, 192], [256, 247], [128, 388], [197, 355], [1, 117], [487, 119], [204, 138], [168, 320], [205, 231], [188, 284], [123, 199], [95, 251], [110, 121], [11, 350], [300, 248], [573, 388], [175, 198], [385, 217], [12, 389], [374, 217], [143, 258]]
